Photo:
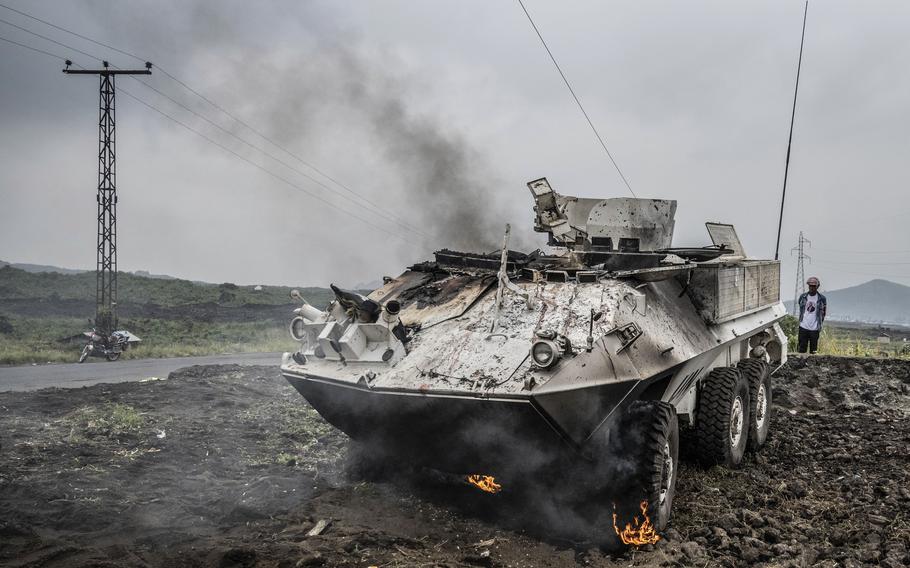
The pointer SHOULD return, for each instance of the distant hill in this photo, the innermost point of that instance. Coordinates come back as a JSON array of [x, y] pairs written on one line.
[[40, 268], [876, 301], [17, 285]]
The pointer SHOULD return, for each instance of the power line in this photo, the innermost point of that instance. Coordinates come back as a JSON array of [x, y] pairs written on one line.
[[377, 211], [238, 138], [286, 150], [389, 215], [264, 169], [574, 96], [55, 26], [55, 56], [863, 273], [851, 263], [225, 148], [365, 199], [863, 251], [36, 34], [230, 151]]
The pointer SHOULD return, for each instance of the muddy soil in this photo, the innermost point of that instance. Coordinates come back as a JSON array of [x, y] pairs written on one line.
[[228, 466]]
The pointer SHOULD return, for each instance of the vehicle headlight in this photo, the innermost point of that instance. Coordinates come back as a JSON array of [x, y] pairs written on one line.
[[298, 329], [544, 353]]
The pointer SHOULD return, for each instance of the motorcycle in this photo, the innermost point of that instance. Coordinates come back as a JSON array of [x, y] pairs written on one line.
[[110, 347]]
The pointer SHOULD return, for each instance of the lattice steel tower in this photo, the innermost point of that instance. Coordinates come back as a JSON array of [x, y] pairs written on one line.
[[801, 255], [106, 251]]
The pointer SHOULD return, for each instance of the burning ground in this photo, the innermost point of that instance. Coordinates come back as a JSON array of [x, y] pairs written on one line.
[[227, 466]]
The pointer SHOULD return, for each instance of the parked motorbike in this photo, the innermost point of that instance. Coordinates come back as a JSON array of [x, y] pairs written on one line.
[[110, 347]]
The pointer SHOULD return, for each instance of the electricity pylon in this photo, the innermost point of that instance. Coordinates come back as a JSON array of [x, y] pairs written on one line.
[[801, 255], [106, 252]]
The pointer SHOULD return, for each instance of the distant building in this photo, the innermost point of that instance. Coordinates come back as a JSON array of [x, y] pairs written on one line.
[[883, 338], [258, 288]]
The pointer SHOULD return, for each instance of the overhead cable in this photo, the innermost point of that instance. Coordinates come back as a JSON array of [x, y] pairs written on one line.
[[234, 153], [215, 105], [55, 26], [378, 211], [260, 167], [851, 263], [862, 251], [835, 268], [32, 48], [44, 37], [291, 167], [578, 102]]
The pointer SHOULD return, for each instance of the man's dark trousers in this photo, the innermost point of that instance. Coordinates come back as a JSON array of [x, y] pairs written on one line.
[[807, 339]]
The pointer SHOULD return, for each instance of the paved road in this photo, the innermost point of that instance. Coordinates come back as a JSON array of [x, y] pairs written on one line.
[[70, 375]]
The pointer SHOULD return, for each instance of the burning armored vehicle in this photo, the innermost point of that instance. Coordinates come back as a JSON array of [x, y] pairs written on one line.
[[579, 360]]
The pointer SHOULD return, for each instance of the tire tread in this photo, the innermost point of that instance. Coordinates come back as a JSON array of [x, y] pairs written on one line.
[[755, 371], [712, 423]]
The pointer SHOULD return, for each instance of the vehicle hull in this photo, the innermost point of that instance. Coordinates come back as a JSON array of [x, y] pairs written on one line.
[[466, 432]]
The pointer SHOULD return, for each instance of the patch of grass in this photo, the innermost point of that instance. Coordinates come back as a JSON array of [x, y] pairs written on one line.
[[299, 437], [845, 342], [112, 420]]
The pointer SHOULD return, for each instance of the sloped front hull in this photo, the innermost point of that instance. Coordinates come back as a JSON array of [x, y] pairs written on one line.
[[458, 433]]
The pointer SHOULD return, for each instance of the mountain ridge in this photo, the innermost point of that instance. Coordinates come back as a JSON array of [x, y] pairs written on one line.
[[876, 301]]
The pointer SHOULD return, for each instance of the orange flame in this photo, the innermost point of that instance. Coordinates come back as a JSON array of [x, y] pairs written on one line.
[[637, 533], [485, 483]]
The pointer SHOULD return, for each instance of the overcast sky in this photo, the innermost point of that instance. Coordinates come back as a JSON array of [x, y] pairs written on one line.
[[436, 114]]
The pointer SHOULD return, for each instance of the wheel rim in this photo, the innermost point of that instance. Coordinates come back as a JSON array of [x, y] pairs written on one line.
[[736, 422], [761, 407], [666, 474]]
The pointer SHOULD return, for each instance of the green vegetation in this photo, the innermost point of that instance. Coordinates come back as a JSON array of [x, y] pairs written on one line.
[[38, 322], [306, 439], [112, 420], [19, 284], [39, 340], [848, 341]]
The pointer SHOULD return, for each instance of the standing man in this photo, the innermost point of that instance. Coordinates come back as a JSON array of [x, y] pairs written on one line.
[[812, 309]]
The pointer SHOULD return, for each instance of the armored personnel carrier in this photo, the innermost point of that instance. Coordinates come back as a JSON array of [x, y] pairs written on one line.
[[586, 359]]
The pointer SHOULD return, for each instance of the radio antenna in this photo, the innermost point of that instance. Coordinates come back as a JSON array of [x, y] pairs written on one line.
[[783, 195]]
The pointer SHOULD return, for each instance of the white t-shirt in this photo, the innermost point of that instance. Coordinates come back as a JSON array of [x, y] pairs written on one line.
[[810, 314]]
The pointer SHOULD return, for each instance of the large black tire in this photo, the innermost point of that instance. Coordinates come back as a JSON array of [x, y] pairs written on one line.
[[647, 438], [722, 418], [113, 356], [757, 373]]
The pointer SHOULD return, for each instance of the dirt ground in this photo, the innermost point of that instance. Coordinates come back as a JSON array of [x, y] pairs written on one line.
[[228, 466]]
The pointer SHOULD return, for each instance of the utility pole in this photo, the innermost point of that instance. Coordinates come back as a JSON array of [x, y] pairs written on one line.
[[106, 252], [801, 255]]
